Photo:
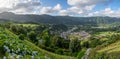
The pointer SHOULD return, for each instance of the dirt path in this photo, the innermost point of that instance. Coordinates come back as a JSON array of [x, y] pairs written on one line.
[[86, 53]]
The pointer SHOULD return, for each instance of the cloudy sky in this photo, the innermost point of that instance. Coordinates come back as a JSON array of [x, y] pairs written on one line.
[[78, 8]]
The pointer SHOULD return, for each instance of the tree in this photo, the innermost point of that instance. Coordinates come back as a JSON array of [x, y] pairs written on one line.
[[46, 38], [84, 44], [14, 29], [74, 45], [21, 36], [94, 41], [54, 40], [32, 36]]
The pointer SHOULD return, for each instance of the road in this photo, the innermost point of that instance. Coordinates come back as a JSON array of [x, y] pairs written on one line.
[[87, 53]]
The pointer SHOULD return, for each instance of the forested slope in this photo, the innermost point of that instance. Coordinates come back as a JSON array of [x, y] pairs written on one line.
[[47, 19]]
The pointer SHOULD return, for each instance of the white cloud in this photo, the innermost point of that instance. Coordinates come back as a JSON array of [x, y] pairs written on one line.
[[57, 7], [83, 7], [27, 7], [19, 6], [74, 9], [6, 3], [80, 3], [63, 12], [46, 10], [106, 12], [90, 7]]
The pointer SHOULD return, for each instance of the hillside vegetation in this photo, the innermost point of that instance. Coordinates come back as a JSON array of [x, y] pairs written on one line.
[[115, 47], [58, 37], [110, 47], [12, 47]]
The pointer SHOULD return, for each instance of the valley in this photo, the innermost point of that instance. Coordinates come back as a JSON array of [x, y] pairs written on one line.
[[59, 29], [26, 40]]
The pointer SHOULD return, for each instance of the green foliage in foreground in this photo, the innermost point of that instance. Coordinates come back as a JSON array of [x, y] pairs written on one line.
[[80, 54], [12, 47], [52, 55]]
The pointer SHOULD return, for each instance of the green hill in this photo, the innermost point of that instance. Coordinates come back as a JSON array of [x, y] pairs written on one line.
[[12, 47], [111, 51], [115, 47]]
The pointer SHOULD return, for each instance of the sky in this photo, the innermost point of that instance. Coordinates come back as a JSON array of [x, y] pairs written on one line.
[[79, 8]]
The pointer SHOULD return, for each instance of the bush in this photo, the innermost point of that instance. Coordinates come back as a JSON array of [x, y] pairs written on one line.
[[21, 36], [80, 54], [59, 51]]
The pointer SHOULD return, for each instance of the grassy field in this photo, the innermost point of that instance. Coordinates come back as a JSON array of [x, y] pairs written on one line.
[[28, 25], [54, 56], [111, 51], [115, 47]]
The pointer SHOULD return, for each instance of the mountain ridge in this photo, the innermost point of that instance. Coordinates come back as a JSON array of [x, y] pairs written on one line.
[[68, 20]]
